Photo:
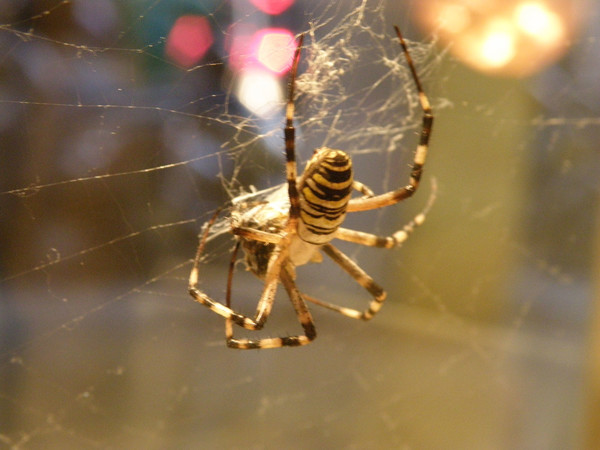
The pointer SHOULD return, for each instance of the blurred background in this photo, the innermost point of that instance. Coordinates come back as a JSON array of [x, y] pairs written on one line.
[[124, 125]]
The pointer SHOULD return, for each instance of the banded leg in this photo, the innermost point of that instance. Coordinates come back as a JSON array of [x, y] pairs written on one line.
[[304, 317], [392, 197], [362, 278], [291, 169], [262, 311], [397, 238], [267, 297]]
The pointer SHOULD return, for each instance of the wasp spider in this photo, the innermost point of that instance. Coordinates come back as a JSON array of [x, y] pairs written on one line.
[[298, 221]]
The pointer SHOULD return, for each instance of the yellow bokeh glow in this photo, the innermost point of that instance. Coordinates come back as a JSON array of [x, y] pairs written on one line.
[[538, 21], [504, 37], [498, 47]]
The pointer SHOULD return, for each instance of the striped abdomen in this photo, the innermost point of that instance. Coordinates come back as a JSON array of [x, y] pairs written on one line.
[[325, 188]]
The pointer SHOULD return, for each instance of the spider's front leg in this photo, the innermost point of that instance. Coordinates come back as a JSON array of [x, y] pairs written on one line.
[[420, 156]]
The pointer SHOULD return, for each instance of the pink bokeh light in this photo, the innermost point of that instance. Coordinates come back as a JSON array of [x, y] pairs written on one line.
[[274, 49], [268, 48], [272, 7], [189, 40]]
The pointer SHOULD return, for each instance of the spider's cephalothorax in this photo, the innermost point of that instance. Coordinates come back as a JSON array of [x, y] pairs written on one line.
[[269, 216], [295, 224]]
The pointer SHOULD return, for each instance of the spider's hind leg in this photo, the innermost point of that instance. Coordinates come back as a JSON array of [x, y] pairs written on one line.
[[398, 237], [304, 317], [362, 278]]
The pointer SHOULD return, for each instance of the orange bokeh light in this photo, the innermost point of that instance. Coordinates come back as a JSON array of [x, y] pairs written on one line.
[[504, 37]]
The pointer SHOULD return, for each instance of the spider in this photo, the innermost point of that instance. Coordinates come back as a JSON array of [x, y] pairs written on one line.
[[296, 223]]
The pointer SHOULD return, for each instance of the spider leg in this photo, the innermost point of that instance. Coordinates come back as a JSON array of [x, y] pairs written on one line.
[[302, 312], [230, 273], [362, 278], [392, 197], [256, 235], [397, 238], [266, 299], [291, 169], [193, 281], [363, 189]]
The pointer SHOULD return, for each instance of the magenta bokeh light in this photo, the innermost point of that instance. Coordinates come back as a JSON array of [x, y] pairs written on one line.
[[268, 48], [189, 40], [272, 7]]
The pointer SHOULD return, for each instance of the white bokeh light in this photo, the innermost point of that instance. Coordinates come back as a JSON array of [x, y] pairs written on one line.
[[260, 92]]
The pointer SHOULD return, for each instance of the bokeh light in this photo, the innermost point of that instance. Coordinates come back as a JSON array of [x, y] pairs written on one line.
[[260, 92], [498, 45], [272, 7], [268, 48], [260, 58], [189, 40], [504, 37], [274, 49], [238, 41], [539, 22]]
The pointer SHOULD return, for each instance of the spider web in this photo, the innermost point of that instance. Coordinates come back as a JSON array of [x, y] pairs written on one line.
[[112, 158]]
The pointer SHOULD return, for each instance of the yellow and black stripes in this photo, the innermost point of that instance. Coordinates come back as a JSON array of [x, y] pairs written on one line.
[[361, 278], [325, 189], [276, 239], [291, 171], [421, 153]]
